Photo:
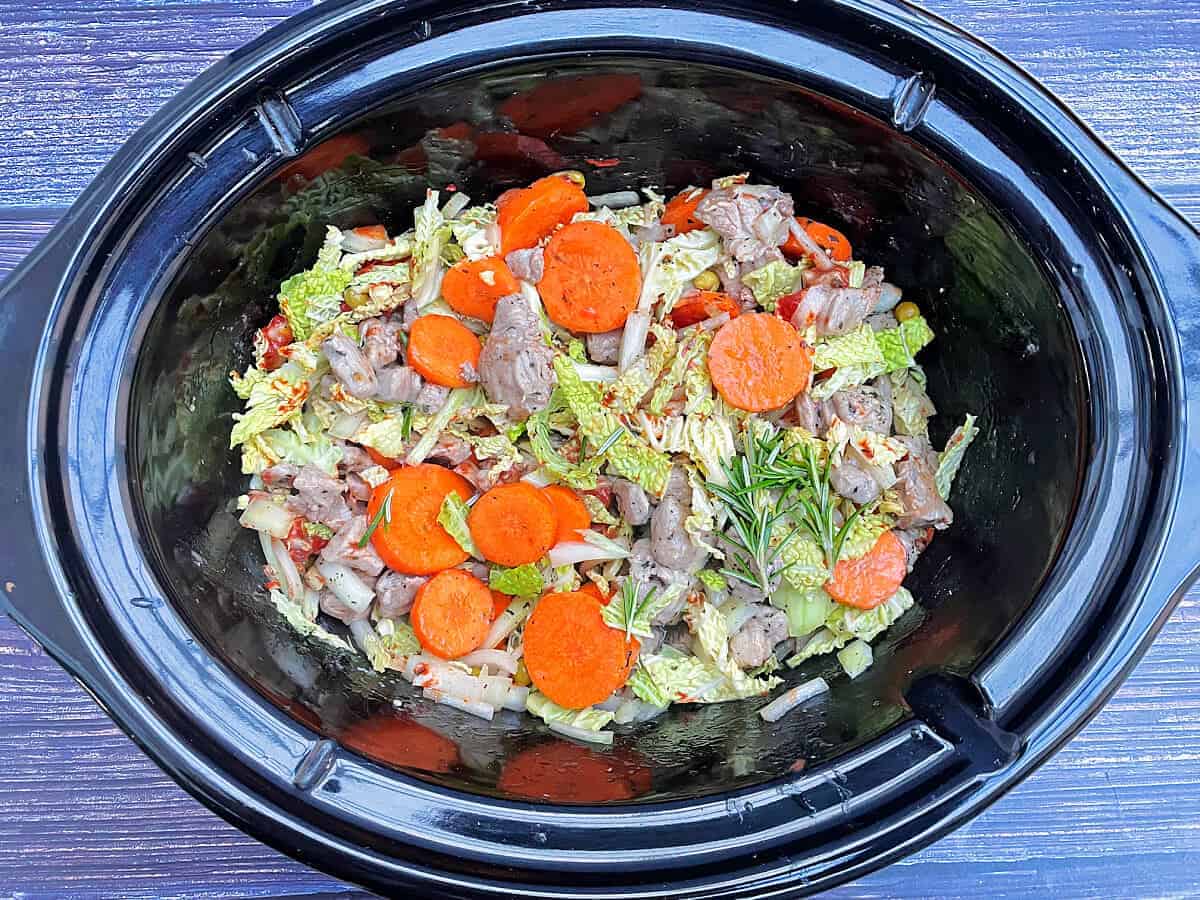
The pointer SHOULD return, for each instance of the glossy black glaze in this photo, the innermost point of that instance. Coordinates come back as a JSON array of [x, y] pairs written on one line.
[[1068, 321]]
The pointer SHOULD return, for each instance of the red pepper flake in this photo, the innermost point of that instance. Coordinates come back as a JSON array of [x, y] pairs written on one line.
[[420, 669], [606, 163], [865, 446], [451, 188]]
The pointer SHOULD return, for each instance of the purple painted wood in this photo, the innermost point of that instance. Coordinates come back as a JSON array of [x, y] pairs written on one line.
[[84, 814]]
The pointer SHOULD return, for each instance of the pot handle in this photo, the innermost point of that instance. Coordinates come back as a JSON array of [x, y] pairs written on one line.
[[34, 595], [1173, 248]]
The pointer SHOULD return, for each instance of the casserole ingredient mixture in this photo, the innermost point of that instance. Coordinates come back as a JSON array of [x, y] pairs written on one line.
[[587, 457]]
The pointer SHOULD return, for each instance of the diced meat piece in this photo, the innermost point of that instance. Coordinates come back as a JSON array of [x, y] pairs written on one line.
[[649, 573], [650, 645], [355, 458], [883, 321], [834, 310], [381, 342], [812, 415], [357, 488], [671, 544], [431, 398], [679, 637], [872, 277], [526, 264], [915, 540], [632, 502], [279, 476], [678, 486], [350, 365], [516, 365], [332, 606], [604, 348], [866, 406], [450, 450], [394, 593], [319, 498], [854, 481], [343, 548], [752, 219], [916, 490], [398, 384], [754, 641]]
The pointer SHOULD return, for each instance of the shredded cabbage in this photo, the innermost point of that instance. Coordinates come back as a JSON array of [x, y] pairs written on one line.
[[899, 345], [276, 445], [772, 281], [951, 458], [314, 297], [669, 266], [272, 400], [626, 393], [588, 719], [712, 637], [691, 354], [430, 233], [459, 398], [390, 639], [520, 581], [911, 406], [453, 517]]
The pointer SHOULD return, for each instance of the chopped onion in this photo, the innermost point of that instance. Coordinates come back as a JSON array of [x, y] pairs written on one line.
[[263, 515], [347, 586], [538, 478], [889, 296], [633, 711], [456, 204], [517, 697], [495, 689], [353, 242], [568, 553], [506, 623], [618, 549], [856, 657], [285, 567], [633, 339], [811, 247], [475, 708], [497, 659], [595, 374], [346, 425], [615, 200], [789, 700], [360, 630], [611, 703], [582, 734]]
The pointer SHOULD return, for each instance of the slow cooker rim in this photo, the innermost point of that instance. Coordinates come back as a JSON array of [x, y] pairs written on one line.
[[61, 297]]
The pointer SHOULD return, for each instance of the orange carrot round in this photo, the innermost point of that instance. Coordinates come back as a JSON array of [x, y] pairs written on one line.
[[758, 362], [866, 582], [499, 604], [444, 351], [572, 656], [593, 590], [570, 512], [473, 287], [451, 613], [702, 305], [411, 540], [828, 239], [567, 105], [527, 215], [591, 278], [681, 211], [513, 524]]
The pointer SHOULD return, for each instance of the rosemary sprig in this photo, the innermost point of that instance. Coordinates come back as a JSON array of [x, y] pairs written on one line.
[[631, 611], [766, 486], [383, 514]]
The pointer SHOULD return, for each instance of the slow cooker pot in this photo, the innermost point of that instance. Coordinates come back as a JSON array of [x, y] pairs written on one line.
[[1064, 294]]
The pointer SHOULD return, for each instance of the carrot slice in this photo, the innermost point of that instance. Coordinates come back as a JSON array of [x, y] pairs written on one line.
[[565, 772], [444, 350], [572, 656], [866, 582], [400, 741], [591, 280], [593, 590], [412, 541], [527, 215], [380, 460], [513, 524], [327, 155], [567, 105], [829, 239], [702, 305], [473, 287], [572, 515], [452, 613], [681, 211], [759, 362]]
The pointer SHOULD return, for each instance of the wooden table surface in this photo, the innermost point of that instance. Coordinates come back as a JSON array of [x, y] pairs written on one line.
[[84, 814]]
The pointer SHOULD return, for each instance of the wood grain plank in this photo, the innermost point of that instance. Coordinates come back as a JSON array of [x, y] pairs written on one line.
[[84, 814]]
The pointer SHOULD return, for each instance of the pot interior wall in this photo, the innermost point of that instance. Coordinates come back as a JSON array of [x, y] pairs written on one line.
[[1005, 351]]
